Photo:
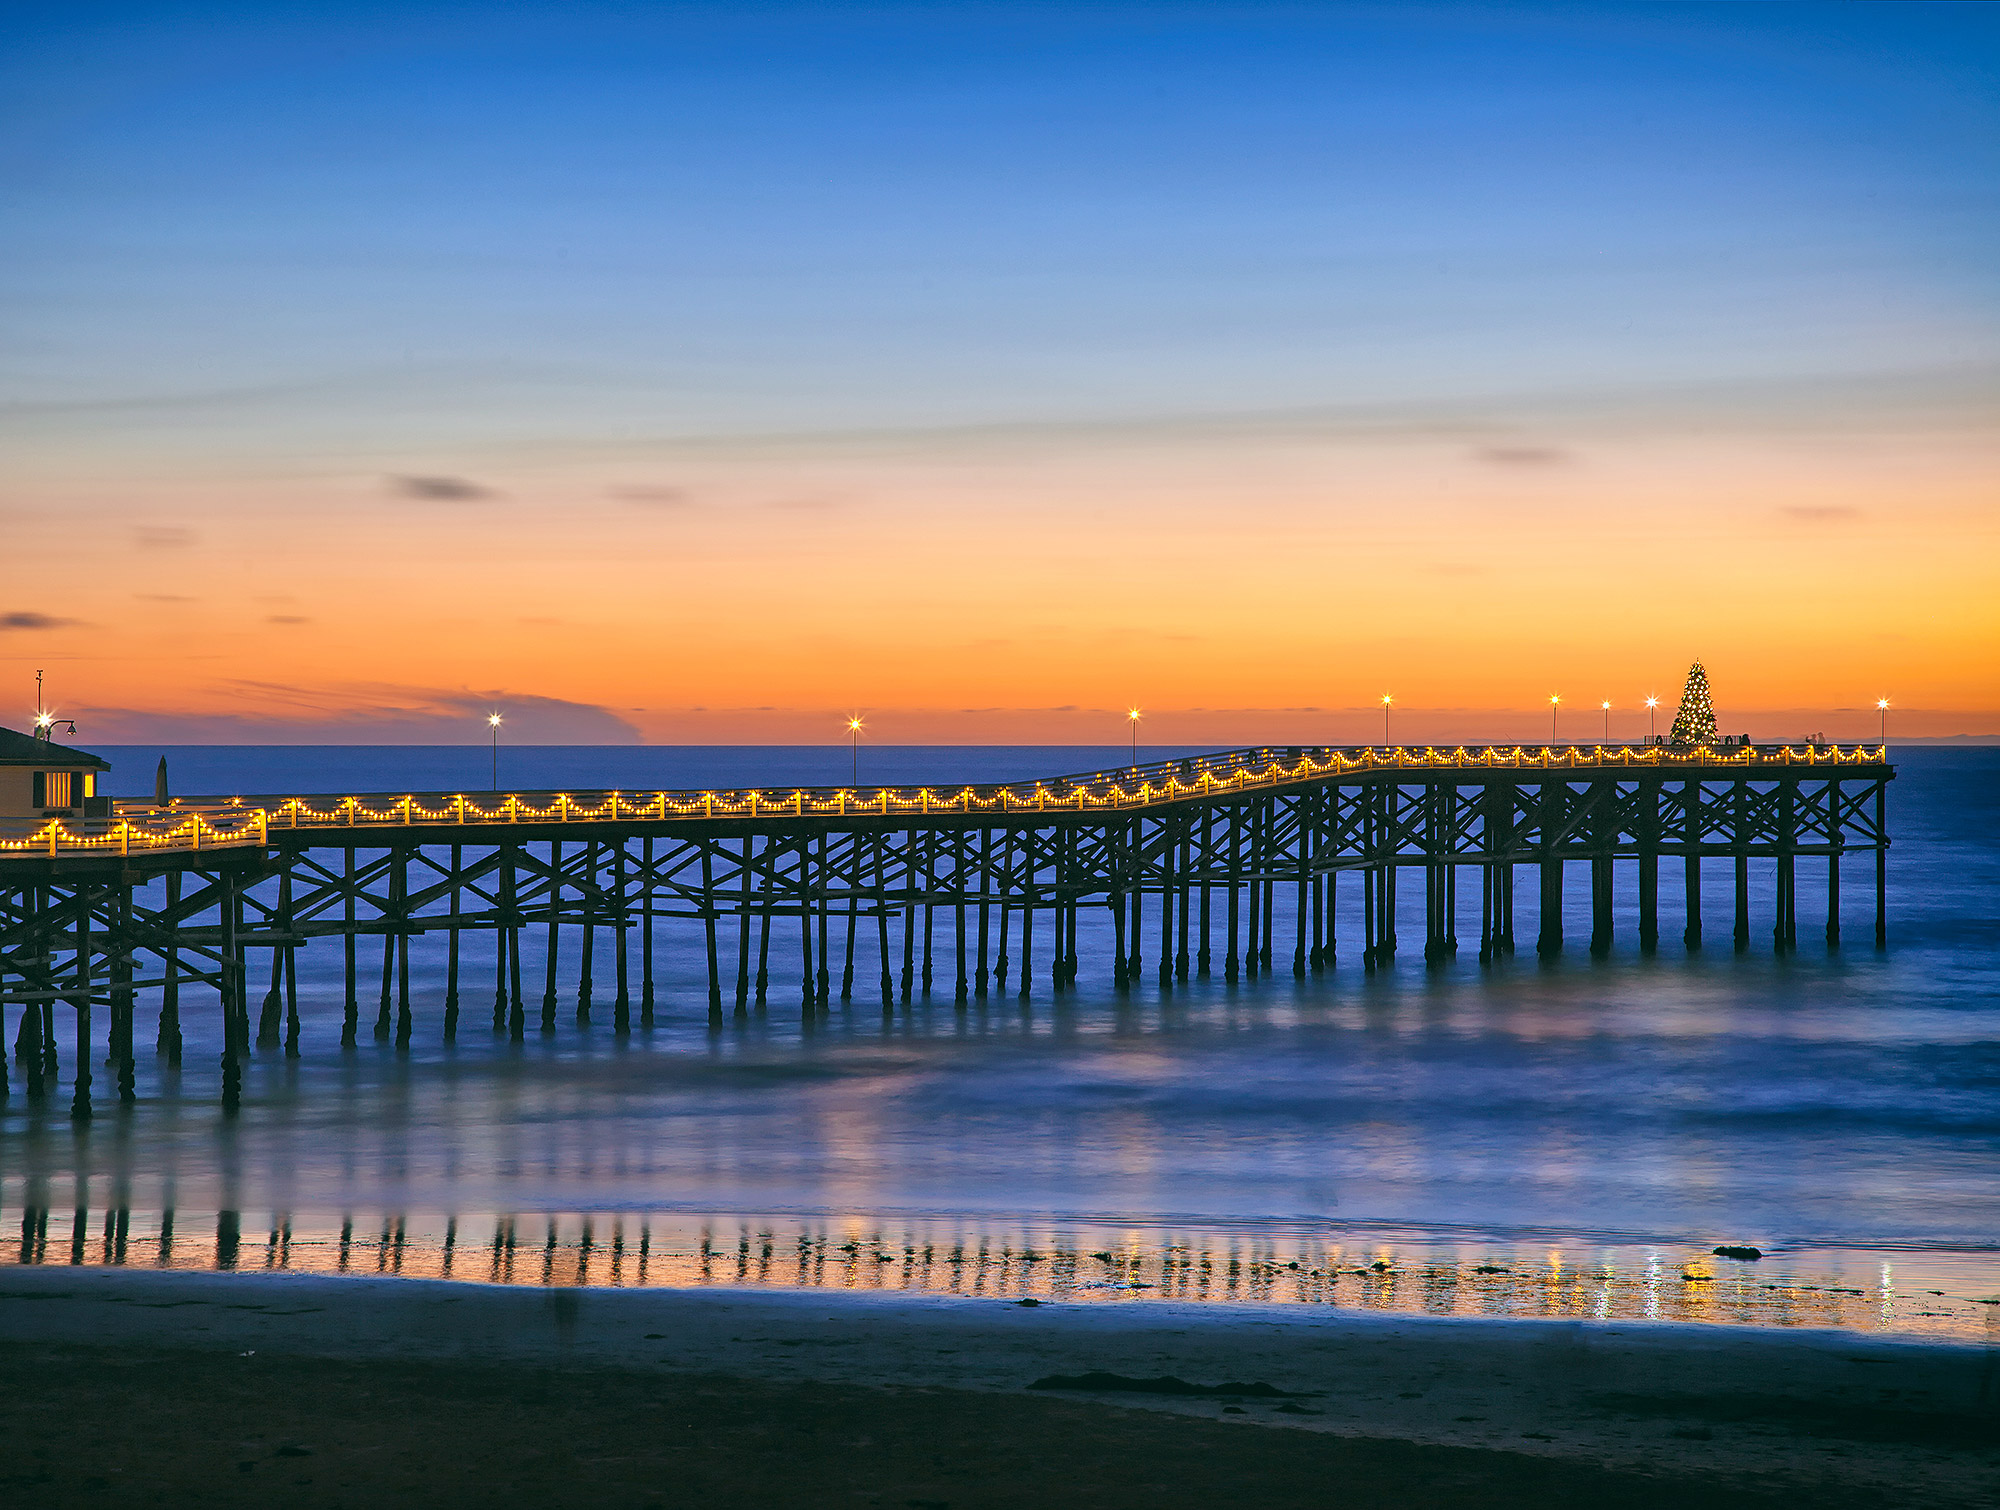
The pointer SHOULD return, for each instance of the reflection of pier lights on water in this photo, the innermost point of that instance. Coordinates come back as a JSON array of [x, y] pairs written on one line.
[[1078, 1263], [1210, 855]]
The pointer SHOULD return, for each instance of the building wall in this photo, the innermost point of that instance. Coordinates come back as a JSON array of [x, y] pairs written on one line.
[[17, 790]]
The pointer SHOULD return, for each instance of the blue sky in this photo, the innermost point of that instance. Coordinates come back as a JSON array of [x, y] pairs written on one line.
[[748, 218]]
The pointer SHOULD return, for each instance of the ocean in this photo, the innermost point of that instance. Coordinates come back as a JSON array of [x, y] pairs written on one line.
[[1569, 1138]]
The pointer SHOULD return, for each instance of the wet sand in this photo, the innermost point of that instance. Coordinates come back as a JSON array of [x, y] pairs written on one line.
[[336, 1391]]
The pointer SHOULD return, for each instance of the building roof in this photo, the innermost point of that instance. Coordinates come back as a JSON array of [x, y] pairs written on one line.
[[25, 749]]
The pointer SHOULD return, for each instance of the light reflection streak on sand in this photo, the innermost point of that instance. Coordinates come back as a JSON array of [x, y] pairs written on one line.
[[1010, 1261]]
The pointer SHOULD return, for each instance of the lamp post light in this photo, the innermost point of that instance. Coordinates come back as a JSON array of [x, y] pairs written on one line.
[[493, 723], [854, 751], [1882, 708], [1132, 718], [1607, 721], [1555, 702], [1652, 703], [1387, 703]]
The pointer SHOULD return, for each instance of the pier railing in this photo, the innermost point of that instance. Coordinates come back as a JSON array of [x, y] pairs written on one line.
[[239, 822]]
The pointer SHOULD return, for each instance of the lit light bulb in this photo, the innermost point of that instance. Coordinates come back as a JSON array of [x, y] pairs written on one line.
[[493, 720]]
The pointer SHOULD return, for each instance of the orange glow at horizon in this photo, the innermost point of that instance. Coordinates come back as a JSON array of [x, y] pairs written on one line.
[[1251, 590]]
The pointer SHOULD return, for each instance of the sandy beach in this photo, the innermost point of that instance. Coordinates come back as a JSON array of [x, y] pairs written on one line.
[[215, 1385]]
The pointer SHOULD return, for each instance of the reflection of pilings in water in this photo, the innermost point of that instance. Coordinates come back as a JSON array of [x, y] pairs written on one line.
[[86, 933]]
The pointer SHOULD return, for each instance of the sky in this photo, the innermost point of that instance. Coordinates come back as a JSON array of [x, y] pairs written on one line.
[[707, 374]]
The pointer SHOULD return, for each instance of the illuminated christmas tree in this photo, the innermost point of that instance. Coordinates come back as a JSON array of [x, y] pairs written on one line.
[[1695, 723]]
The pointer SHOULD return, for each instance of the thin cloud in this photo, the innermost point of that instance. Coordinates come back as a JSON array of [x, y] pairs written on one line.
[[286, 618], [1822, 513], [161, 597], [163, 537], [441, 489], [1522, 456], [24, 620], [651, 497]]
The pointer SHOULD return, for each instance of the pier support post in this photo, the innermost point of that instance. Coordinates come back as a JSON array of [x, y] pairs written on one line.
[[743, 879], [587, 895], [510, 890], [1549, 938], [880, 898], [499, 944], [1691, 841], [646, 936], [708, 931], [79, 1106], [621, 920], [822, 978], [350, 1022], [1649, 798], [168, 1040], [1740, 844], [1185, 858], [1881, 865], [980, 974], [1600, 904], [451, 947], [229, 971], [962, 984], [120, 946]]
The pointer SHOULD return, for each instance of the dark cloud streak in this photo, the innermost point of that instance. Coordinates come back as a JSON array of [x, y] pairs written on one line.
[[441, 489]]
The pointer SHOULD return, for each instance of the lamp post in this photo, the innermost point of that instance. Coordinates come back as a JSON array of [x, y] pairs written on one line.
[[1882, 708], [1132, 718], [1387, 702], [1607, 721], [1652, 703], [1555, 702], [854, 751], [493, 723]]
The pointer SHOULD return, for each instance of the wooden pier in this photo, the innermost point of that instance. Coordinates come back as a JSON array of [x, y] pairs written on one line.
[[1236, 863]]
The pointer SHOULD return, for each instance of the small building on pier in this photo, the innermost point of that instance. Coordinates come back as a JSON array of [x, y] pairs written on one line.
[[40, 779]]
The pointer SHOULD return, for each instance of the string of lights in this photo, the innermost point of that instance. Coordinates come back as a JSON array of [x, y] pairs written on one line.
[[142, 827]]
